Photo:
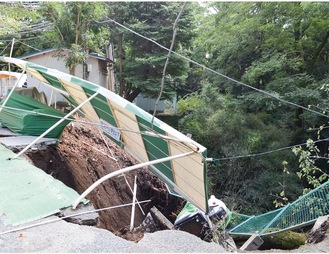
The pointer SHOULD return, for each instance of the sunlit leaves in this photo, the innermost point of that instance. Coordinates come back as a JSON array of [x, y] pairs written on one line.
[[307, 164]]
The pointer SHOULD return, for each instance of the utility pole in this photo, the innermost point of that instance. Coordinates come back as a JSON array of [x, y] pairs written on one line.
[[120, 63]]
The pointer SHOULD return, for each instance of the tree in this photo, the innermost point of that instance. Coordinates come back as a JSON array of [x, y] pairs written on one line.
[[143, 61], [279, 48], [259, 42], [230, 135], [75, 29], [19, 21]]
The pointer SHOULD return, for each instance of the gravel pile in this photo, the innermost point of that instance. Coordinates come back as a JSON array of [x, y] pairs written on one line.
[[62, 236]]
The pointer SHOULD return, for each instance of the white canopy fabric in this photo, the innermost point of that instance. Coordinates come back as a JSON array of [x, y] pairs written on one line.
[[134, 130]]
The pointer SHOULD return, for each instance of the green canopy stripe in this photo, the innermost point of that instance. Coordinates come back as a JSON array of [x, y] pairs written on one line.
[[145, 137]]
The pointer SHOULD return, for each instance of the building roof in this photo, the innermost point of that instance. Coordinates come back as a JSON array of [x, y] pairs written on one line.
[[45, 51]]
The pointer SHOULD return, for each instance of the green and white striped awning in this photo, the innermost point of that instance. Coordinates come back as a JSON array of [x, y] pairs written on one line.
[[135, 131]]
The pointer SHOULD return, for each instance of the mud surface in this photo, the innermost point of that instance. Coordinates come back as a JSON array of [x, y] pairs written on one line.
[[83, 156]]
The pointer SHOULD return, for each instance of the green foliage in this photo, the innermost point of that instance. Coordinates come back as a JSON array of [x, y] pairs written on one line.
[[262, 71], [75, 29], [308, 169], [189, 103], [278, 47], [19, 21], [143, 61], [281, 199], [260, 42], [216, 122]]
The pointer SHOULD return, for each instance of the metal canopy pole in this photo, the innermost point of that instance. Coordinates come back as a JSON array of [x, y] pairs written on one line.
[[124, 170], [133, 206], [55, 125]]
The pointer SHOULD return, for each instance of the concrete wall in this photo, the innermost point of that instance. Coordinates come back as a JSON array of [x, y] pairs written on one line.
[[148, 104]]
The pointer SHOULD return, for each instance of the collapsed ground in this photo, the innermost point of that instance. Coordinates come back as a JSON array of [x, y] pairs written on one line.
[[84, 155]]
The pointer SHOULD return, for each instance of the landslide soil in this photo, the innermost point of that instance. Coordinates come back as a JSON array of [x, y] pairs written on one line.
[[83, 156]]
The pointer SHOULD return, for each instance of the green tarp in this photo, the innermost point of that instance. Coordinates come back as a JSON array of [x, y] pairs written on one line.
[[28, 193], [31, 117]]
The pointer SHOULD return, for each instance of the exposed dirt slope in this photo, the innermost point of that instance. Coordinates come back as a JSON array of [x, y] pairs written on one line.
[[83, 156]]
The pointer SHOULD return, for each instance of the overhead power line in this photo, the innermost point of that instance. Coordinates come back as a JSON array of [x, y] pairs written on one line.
[[43, 27], [25, 39], [213, 71], [264, 153], [4, 49], [29, 45], [233, 80]]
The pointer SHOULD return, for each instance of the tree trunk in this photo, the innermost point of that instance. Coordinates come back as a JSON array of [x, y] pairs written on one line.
[[132, 96], [72, 70], [317, 52], [120, 65]]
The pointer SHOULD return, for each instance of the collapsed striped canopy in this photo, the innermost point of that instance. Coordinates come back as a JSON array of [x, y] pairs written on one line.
[[132, 128]]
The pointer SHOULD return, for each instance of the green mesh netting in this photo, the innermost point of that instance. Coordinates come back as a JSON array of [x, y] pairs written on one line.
[[303, 211]]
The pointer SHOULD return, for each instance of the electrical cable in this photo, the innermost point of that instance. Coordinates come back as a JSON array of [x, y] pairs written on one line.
[[265, 153], [68, 216], [28, 45], [213, 71], [26, 39], [5, 48]]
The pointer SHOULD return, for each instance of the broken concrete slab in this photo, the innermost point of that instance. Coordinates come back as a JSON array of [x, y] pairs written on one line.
[[148, 225], [5, 132], [253, 243], [28, 193], [84, 214], [20, 142], [319, 230], [160, 219]]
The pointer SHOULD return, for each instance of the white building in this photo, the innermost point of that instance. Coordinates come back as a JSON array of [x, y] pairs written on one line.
[[97, 69], [8, 80]]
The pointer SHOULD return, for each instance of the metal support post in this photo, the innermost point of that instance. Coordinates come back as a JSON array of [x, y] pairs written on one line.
[[133, 206], [124, 170], [55, 125]]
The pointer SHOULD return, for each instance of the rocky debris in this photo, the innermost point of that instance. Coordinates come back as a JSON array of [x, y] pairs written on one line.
[[252, 243], [319, 230], [148, 225], [83, 215], [160, 219], [286, 240], [154, 221]]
